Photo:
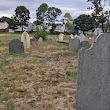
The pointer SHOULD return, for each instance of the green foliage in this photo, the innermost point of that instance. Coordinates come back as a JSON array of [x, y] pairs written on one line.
[[22, 15], [68, 16], [44, 12], [40, 33], [85, 22], [41, 12], [72, 74]]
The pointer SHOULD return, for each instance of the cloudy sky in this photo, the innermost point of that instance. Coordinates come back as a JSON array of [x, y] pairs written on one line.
[[75, 7]]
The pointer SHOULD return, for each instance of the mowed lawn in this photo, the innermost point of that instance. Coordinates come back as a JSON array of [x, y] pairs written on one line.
[[43, 78]]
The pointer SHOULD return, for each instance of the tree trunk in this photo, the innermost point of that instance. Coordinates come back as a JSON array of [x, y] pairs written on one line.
[[22, 28], [102, 27]]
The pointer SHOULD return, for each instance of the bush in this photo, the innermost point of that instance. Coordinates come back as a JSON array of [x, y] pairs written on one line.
[[40, 33]]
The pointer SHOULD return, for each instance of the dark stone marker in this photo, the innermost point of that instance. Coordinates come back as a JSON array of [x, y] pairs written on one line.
[[85, 44], [16, 46], [74, 44], [93, 82]]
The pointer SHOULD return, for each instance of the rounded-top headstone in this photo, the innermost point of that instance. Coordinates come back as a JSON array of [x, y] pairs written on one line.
[[60, 37], [16, 46], [25, 38]]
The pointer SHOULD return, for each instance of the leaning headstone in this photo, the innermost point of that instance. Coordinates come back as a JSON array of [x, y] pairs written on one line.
[[16, 46], [74, 44], [60, 37], [82, 37], [40, 40], [85, 44], [97, 32], [93, 83], [25, 38]]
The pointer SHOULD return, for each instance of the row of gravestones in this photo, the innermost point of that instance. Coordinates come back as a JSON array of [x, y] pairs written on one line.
[[77, 42], [17, 46], [93, 80]]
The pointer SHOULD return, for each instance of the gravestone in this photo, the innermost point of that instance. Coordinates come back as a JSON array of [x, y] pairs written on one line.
[[76, 36], [74, 44], [97, 32], [25, 38], [60, 37], [49, 38], [93, 82], [16, 46], [85, 44], [71, 36], [82, 37], [40, 40], [33, 41]]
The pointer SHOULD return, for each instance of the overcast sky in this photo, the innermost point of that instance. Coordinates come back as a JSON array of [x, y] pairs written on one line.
[[74, 7]]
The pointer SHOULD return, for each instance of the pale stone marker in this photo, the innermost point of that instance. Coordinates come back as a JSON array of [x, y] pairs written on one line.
[[74, 44], [82, 37], [93, 82], [25, 38], [40, 40], [76, 36], [97, 32], [60, 37], [16, 46]]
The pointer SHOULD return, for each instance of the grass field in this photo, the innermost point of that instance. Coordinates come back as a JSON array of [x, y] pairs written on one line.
[[43, 78]]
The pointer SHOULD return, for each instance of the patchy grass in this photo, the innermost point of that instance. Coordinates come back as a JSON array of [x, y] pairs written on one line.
[[72, 74]]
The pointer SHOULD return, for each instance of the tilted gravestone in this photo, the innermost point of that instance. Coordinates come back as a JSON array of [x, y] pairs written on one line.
[[85, 44], [93, 82], [16, 46], [40, 40], [74, 44], [82, 37], [25, 38]]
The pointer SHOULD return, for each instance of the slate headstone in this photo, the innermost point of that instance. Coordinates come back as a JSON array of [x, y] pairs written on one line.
[[85, 44], [40, 40], [93, 82], [82, 37], [16, 46], [25, 38], [74, 44]]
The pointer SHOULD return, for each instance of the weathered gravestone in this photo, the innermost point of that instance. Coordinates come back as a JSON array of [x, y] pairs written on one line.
[[49, 38], [85, 44], [93, 83], [82, 37], [25, 38], [40, 40], [60, 37], [16, 46], [74, 44]]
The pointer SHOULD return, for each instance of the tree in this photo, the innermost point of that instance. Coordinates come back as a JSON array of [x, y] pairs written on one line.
[[10, 21], [22, 16], [84, 23], [99, 14], [52, 14], [68, 16], [41, 12]]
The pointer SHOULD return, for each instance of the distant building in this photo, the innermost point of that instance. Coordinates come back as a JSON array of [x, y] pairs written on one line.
[[4, 25]]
